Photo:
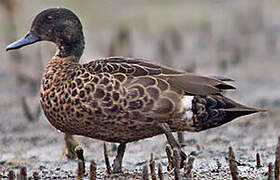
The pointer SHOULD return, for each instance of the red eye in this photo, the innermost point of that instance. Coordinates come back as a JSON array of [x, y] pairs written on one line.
[[49, 19]]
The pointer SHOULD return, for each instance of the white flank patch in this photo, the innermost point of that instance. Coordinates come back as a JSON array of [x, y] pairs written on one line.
[[187, 104], [189, 114]]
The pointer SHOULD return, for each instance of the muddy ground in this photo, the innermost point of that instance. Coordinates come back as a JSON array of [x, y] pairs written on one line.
[[235, 39]]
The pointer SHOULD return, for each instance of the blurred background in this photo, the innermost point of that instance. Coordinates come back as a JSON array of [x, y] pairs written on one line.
[[237, 39]]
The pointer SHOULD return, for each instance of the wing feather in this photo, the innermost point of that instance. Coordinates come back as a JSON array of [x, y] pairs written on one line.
[[190, 83]]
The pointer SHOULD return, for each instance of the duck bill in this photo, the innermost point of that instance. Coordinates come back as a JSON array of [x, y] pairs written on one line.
[[29, 38]]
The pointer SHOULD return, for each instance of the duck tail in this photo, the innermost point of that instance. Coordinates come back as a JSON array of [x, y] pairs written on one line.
[[236, 112], [214, 111]]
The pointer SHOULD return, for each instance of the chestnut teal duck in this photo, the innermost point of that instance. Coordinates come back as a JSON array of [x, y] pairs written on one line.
[[118, 99]]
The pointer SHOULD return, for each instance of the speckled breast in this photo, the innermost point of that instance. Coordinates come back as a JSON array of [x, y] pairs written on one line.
[[77, 102]]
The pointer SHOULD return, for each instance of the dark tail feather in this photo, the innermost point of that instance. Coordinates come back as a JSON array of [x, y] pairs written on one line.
[[245, 110], [225, 116], [224, 111], [233, 113]]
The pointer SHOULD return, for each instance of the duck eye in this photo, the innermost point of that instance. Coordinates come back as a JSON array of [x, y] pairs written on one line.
[[49, 19]]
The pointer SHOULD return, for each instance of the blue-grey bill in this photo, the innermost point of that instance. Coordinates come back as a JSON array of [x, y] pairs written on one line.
[[29, 38]]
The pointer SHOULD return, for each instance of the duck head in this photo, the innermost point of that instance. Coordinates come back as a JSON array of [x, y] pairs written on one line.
[[58, 25]]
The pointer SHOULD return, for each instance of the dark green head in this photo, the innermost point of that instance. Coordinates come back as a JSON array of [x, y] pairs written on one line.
[[58, 25]]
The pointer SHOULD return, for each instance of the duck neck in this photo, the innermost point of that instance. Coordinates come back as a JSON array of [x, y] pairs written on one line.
[[71, 47]]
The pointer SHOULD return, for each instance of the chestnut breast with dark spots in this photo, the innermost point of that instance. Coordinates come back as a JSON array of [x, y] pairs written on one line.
[[102, 105], [79, 102]]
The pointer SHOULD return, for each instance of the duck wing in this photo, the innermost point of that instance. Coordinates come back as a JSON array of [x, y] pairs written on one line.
[[190, 83], [128, 66]]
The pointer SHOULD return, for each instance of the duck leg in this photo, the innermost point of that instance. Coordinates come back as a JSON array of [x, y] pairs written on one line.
[[172, 141], [117, 165], [70, 144]]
